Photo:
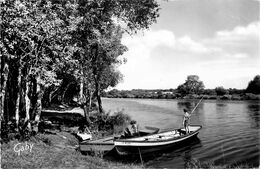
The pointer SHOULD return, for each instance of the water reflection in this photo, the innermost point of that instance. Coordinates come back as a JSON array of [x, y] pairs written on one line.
[[198, 116], [164, 158], [221, 109], [221, 106], [253, 112], [233, 124], [173, 155], [190, 105], [184, 105], [187, 159]]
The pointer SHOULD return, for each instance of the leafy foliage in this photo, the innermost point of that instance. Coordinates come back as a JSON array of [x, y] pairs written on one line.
[[220, 91], [254, 85], [191, 86], [217, 93], [54, 46], [119, 118]]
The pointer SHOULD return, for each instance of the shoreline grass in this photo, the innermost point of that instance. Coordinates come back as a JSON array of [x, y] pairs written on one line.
[[53, 151], [59, 151]]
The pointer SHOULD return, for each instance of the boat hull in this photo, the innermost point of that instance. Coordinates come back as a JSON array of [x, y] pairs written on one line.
[[127, 147], [102, 145]]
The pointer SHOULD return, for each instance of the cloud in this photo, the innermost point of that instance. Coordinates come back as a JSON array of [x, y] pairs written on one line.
[[151, 38], [141, 45], [159, 59], [243, 40], [251, 29], [186, 43]]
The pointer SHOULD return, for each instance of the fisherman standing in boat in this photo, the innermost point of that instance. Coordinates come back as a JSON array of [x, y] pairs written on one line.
[[186, 120], [131, 130]]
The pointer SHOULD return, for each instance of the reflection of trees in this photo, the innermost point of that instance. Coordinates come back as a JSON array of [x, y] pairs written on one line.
[[184, 105], [221, 107], [190, 162], [187, 159], [168, 155], [183, 150], [253, 112], [221, 104], [190, 105]]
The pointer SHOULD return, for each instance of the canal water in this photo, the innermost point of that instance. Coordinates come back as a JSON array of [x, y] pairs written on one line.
[[230, 133]]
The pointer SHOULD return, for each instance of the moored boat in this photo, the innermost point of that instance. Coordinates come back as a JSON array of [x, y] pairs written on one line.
[[101, 145], [106, 144], [154, 142]]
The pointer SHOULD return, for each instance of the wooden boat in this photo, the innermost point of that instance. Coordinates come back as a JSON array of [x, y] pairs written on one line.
[[107, 144], [154, 142], [101, 145]]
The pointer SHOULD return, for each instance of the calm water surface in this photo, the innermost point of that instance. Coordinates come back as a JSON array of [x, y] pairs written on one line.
[[230, 133]]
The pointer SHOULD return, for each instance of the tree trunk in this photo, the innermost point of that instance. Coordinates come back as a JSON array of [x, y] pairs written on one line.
[[86, 115], [96, 78], [27, 105], [97, 85], [38, 109], [65, 90], [81, 92], [4, 78], [83, 98], [51, 95], [17, 106], [88, 108], [90, 101]]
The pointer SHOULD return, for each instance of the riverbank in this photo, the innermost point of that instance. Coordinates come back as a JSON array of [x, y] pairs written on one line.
[[57, 148], [53, 151], [60, 151], [249, 97], [171, 94]]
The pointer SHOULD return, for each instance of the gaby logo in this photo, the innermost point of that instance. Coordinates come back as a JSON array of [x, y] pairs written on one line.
[[20, 147]]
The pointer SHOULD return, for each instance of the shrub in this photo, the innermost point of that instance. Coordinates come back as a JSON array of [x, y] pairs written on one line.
[[107, 124], [10, 131], [236, 97], [119, 118], [250, 96], [226, 97]]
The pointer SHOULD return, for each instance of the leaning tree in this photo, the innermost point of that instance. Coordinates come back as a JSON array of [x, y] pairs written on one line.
[[98, 37], [40, 39], [34, 41]]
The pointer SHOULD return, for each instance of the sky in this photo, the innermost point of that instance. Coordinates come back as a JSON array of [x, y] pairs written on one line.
[[218, 40]]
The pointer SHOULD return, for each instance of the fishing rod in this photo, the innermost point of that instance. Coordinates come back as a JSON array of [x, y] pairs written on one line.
[[196, 105]]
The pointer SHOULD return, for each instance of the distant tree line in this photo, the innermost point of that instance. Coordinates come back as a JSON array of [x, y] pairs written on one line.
[[55, 51], [193, 88]]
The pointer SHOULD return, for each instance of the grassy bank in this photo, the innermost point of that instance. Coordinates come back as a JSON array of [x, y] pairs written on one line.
[[59, 151], [53, 151]]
